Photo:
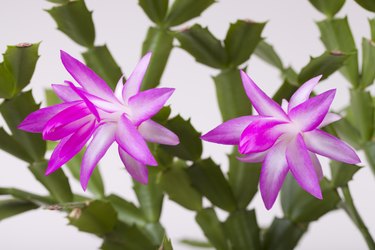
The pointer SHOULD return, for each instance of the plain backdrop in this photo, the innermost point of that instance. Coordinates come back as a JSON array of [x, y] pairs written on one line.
[[122, 25]]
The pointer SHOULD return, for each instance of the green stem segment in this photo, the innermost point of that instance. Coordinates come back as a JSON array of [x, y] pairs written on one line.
[[352, 212]]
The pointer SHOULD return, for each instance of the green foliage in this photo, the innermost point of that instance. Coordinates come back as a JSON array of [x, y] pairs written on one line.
[[367, 4], [13, 147], [369, 149], [98, 217], [268, 54], [159, 41], [242, 39], [231, 97], [342, 173], [212, 228], [166, 244], [346, 131], [156, 10], [184, 10], [75, 20], [243, 178], [242, 230], [208, 179], [26, 196], [12, 207], [300, 207], [101, 61], [328, 7], [368, 58], [283, 234]]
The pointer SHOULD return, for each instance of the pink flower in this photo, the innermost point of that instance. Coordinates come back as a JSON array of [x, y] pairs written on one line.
[[285, 138], [93, 111]]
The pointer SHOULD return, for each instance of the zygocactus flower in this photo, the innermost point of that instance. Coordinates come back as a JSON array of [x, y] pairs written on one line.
[[285, 138], [95, 111]]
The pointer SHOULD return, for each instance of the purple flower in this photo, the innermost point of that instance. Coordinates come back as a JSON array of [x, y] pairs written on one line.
[[93, 111], [285, 138]]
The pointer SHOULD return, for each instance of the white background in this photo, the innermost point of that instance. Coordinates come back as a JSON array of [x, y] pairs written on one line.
[[122, 25]]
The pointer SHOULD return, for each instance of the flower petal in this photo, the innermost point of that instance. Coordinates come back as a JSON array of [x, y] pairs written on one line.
[[329, 146], [311, 113], [317, 165], [284, 105], [69, 147], [253, 157], [119, 87], [272, 175], [103, 138], [130, 140], [330, 118], [230, 131], [156, 133], [261, 102], [36, 121], [65, 93], [260, 135], [133, 84], [301, 166], [146, 104], [86, 77], [136, 169], [303, 93]]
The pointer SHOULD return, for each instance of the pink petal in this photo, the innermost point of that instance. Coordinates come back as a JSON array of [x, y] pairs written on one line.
[[66, 122], [301, 166], [119, 87], [69, 147], [272, 175], [133, 84], [303, 93], [329, 146], [261, 102], [230, 131], [156, 133], [88, 103], [130, 140], [146, 104], [311, 113], [36, 121], [65, 93], [253, 157], [260, 135], [86, 77], [103, 138], [284, 105], [136, 169], [317, 166], [330, 118]]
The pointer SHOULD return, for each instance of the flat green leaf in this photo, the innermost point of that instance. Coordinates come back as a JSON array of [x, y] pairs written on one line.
[[160, 42], [242, 230], [285, 91], [328, 7], [283, 234], [101, 61], [369, 149], [232, 99], [362, 111], [98, 217], [325, 65], [59, 1], [11, 146], [156, 10], [57, 183], [347, 132], [185, 10], [26, 196], [337, 36], [126, 237], [203, 46], [176, 183], [166, 244], [368, 59], [243, 178], [196, 243], [212, 228], [20, 60], [342, 173], [12, 207], [267, 53], [127, 211], [190, 147], [7, 82], [13, 112], [372, 28], [163, 115], [150, 196], [75, 20], [367, 4], [242, 39], [155, 232], [208, 179], [300, 206]]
